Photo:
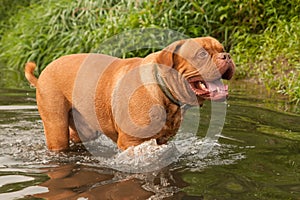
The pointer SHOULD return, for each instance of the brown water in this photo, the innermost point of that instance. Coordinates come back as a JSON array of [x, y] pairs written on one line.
[[258, 156]]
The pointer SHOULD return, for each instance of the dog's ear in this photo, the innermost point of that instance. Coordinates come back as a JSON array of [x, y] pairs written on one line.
[[167, 55]]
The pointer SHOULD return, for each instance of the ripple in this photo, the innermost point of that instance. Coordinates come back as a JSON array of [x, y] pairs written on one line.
[[8, 179], [32, 190], [18, 107]]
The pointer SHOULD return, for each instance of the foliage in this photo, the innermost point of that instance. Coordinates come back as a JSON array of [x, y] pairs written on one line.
[[44, 30], [9, 8], [273, 58]]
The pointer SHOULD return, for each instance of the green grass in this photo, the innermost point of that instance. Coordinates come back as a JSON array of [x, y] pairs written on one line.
[[262, 35], [273, 58]]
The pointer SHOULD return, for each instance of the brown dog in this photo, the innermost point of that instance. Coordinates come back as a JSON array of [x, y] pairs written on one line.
[[129, 100]]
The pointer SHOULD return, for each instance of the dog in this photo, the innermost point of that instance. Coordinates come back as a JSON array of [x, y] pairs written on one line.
[[129, 100]]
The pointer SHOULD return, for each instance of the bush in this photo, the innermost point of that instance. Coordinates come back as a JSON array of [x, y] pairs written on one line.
[[273, 57], [46, 30], [9, 8]]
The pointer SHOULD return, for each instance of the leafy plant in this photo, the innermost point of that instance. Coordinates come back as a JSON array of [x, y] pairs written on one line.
[[273, 58], [262, 35]]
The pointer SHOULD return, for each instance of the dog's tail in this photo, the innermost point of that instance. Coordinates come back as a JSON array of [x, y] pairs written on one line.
[[29, 68]]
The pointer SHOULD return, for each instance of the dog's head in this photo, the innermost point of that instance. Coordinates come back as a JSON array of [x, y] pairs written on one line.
[[201, 63]]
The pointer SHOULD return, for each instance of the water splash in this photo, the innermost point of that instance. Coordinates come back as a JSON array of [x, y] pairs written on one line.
[[23, 140], [146, 157]]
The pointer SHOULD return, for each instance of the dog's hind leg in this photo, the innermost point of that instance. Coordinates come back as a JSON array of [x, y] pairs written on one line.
[[80, 130], [54, 111]]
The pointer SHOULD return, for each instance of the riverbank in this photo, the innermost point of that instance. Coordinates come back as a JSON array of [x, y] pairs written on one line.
[[263, 37]]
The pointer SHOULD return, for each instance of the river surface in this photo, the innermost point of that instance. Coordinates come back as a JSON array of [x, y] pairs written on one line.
[[257, 155]]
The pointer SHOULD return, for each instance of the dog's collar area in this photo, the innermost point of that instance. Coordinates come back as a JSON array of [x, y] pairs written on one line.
[[164, 88]]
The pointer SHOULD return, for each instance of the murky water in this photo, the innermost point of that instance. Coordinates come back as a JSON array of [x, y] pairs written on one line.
[[257, 157]]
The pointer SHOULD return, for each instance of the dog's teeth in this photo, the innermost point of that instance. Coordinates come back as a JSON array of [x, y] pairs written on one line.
[[202, 85], [199, 85]]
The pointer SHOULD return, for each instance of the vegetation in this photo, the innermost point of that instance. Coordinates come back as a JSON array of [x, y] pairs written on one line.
[[263, 35], [273, 58]]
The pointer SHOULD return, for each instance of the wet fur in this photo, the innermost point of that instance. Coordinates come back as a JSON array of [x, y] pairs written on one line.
[[55, 85]]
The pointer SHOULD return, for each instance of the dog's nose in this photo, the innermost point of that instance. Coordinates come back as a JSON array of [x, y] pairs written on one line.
[[228, 68], [225, 56]]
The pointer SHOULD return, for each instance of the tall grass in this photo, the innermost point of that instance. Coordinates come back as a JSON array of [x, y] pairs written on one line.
[[273, 58], [257, 31], [9, 8]]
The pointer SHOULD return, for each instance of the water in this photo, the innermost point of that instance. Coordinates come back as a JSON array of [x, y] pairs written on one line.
[[257, 156]]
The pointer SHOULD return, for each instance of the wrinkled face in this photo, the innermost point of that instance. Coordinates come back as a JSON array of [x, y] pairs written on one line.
[[203, 63]]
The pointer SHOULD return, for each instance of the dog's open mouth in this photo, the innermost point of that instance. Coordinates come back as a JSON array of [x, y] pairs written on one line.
[[211, 90]]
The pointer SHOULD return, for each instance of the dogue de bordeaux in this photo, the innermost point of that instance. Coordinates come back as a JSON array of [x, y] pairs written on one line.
[[129, 100]]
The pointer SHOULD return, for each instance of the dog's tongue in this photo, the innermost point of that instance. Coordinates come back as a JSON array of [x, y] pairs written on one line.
[[217, 90], [216, 86]]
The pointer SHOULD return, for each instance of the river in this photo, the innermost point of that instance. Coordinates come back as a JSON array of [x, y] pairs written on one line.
[[257, 156]]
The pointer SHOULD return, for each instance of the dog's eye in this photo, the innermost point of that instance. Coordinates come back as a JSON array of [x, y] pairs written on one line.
[[202, 54]]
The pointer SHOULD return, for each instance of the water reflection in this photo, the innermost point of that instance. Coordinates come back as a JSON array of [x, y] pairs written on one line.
[[73, 181]]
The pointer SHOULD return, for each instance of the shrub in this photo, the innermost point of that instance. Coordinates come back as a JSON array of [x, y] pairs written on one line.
[[273, 58], [257, 31]]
